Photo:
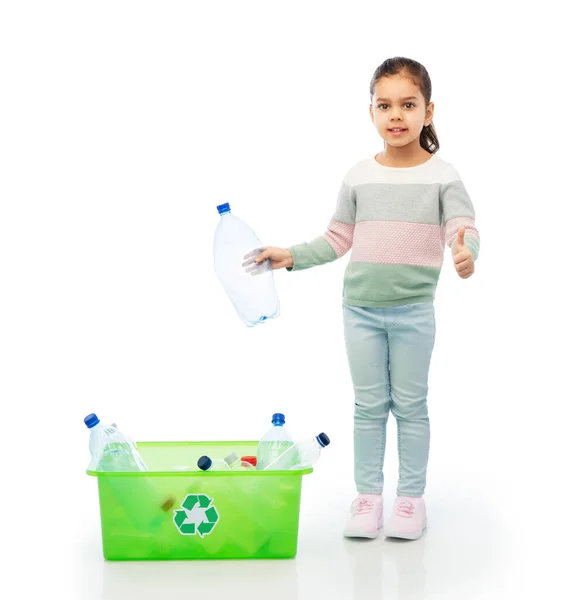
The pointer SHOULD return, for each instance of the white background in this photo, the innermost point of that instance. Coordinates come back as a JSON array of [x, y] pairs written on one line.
[[123, 125]]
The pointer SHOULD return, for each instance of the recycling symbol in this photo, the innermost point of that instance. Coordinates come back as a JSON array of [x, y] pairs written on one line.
[[196, 516]]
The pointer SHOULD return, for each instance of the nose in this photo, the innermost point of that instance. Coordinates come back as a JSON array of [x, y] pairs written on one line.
[[396, 116]]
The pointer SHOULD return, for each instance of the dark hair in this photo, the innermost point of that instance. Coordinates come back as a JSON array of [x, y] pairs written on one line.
[[406, 66]]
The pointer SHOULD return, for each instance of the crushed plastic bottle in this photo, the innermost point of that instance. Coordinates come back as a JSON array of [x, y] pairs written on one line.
[[301, 455], [113, 451], [254, 296], [110, 449]]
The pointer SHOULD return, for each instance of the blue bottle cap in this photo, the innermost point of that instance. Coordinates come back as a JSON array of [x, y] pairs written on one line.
[[278, 419], [91, 420], [204, 463], [223, 208], [323, 439]]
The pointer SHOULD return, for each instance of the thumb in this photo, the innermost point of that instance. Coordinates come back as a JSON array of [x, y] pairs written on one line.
[[264, 255], [460, 240]]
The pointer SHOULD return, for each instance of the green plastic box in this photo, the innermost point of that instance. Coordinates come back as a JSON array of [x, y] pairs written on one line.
[[167, 514]]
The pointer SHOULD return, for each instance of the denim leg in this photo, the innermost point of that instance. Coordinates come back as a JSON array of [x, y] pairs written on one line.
[[411, 340], [367, 350]]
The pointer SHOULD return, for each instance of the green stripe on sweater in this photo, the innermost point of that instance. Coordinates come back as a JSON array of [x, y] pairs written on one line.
[[376, 285], [311, 254]]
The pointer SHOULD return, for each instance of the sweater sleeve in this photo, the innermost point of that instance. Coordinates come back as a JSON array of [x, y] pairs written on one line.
[[336, 241], [458, 211]]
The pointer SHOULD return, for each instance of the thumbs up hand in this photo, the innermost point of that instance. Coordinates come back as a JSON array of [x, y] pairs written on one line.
[[463, 259]]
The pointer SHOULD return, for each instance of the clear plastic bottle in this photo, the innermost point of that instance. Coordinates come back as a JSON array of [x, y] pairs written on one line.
[[133, 441], [274, 442], [111, 450], [205, 463], [254, 296], [236, 464], [301, 455]]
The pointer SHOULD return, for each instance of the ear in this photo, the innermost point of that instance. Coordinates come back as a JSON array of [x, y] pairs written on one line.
[[371, 112], [429, 114]]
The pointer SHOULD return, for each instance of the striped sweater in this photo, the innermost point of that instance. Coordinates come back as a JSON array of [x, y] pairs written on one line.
[[397, 222]]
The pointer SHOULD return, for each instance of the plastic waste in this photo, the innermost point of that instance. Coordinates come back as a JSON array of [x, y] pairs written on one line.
[[254, 297], [205, 463], [237, 464], [274, 442], [110, 449], [301, 455], [113, 451]]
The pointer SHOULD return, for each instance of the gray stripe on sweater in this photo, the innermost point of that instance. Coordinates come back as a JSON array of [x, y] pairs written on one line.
[[455, 201], [346, 205], [413, 202]]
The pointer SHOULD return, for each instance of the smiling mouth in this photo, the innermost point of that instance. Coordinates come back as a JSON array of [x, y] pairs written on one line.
[[398, 129]]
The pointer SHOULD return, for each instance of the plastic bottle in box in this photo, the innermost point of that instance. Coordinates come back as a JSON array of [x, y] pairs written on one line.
[[205, 463], [253, 530], [237, 464], [302, 454], [274, 442], [113, 451]]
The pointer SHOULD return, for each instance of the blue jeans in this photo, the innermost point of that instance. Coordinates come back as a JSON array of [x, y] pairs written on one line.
[[389, 351]]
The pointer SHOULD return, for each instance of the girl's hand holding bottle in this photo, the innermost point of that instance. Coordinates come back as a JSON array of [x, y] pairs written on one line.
[[279, 258]]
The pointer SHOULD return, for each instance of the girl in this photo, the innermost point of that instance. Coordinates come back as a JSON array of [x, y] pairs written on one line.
[[397, 210]]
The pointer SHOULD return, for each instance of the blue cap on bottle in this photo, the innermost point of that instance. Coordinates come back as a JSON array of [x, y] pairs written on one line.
[[323, 439], [223, 208], [91, 420], [278, 419], [204, 463]]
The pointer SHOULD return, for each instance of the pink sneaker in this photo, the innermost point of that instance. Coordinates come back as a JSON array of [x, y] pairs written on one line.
[[366, 516], [408, 520]]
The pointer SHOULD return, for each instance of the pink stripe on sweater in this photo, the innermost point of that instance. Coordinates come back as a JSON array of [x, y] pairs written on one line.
[[452, 226], [395, 242], [340, 236]]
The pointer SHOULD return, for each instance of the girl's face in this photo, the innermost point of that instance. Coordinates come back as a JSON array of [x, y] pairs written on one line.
[[399, 111]]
